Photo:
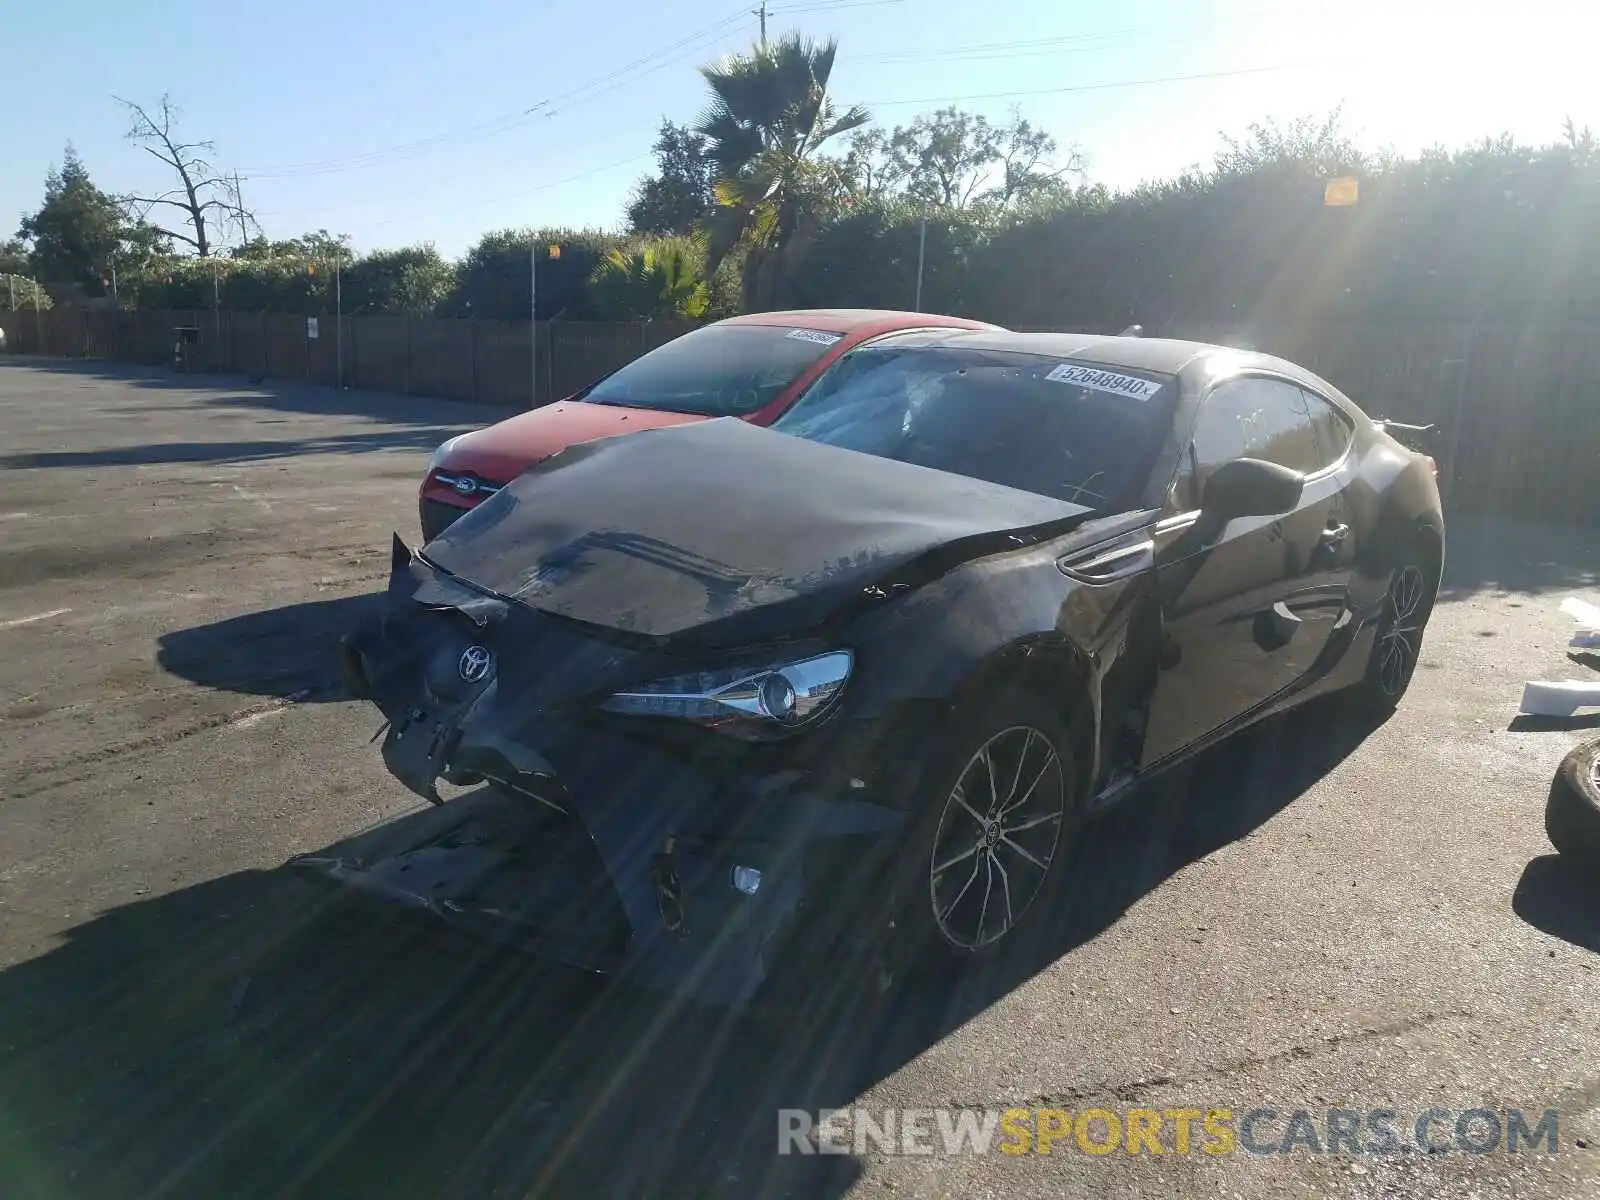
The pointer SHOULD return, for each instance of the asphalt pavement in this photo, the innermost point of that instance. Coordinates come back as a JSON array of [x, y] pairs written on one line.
[[1351, 918]]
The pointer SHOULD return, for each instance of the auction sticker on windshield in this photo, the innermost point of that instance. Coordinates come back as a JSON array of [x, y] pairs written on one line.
[[1104, 381], [813, 335]]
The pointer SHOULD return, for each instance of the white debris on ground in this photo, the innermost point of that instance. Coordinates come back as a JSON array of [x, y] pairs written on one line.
[[1564, 699]]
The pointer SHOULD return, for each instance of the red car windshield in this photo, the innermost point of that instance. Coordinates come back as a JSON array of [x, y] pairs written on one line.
[[718, 371]]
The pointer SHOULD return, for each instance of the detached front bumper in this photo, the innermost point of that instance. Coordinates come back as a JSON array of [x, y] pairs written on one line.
[[592, 845]]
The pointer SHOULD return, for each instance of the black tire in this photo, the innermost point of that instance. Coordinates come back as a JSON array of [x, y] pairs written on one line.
[[1572, 814], [1407, 606], [942, 921]]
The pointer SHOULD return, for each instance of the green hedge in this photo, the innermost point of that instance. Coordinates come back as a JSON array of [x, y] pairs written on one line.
[[1493, 232], [1498, 231]]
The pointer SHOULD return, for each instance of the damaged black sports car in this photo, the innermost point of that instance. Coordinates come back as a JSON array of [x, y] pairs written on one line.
[[745, 696]]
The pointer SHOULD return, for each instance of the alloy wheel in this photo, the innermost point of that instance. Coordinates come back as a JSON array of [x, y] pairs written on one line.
[[997, 837], [1401, 640]]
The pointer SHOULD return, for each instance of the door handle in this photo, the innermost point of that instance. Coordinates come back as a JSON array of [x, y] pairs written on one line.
[[1335, 534]]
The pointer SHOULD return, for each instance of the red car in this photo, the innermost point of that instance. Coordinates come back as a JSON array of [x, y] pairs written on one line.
[[753, 367]]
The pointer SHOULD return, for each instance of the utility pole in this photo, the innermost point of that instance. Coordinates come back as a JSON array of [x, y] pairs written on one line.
[[762, 13], [338, 318], [238, 212], [922, 248], [533, 324]]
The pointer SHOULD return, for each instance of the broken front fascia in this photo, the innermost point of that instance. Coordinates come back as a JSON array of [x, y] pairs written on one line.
[[602, 849]]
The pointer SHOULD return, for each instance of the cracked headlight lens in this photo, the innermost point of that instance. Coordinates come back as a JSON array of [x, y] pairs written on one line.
[[759, 701]]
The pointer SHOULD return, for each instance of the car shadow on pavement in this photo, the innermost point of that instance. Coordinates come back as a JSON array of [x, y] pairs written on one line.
[[253, 1036], [222, 453], [1560, 898], [1513, 555], [1225, 795], [282, 395], [289, 652]]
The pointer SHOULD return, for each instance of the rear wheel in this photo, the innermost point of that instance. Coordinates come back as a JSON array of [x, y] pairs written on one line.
[[1407, 605]]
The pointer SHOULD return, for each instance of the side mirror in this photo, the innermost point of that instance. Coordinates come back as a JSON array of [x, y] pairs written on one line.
[[1249, 487]]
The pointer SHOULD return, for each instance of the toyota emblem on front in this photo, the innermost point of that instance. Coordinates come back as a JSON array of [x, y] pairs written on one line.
[[476, 663]]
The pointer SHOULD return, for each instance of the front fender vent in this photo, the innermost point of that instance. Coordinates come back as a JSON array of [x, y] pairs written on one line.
[[1109, 564]]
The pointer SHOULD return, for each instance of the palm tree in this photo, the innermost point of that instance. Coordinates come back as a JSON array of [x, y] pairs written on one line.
[[659, 280], [768, 114]]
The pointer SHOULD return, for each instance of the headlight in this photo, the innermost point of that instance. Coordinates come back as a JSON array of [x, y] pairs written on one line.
[[444, 449], [760, 702]]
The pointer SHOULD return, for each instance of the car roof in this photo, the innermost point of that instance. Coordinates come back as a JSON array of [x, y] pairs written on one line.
[[1164, 356], [855, 320]]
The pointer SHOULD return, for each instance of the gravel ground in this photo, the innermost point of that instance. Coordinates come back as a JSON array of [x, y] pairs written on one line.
[[1359, 918]]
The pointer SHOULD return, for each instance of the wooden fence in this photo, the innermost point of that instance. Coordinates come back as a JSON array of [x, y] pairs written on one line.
[[1519, 405], [484, 361]]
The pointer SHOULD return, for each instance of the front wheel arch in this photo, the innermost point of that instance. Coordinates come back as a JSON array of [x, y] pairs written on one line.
[[1055, 671]]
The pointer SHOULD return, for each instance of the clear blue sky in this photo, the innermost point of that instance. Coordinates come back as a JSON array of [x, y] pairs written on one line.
[[341, 115]]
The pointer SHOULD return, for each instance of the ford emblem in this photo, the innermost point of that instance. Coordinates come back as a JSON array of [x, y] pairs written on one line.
[[465, 485]]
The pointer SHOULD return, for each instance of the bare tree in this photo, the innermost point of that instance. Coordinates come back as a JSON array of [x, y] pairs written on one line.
[[208, 199], [1581, 142], [1028, 160]]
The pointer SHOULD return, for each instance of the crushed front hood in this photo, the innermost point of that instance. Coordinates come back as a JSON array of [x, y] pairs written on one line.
[[697, 526]]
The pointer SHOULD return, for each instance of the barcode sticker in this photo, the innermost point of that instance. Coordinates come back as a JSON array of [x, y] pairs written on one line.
[[1097, 380]]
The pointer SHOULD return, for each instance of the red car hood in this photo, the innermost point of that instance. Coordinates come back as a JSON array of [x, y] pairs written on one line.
[[503, 451]]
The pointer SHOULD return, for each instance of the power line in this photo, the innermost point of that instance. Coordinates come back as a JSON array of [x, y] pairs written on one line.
[[1098, 87], [330, 166], [1048, 47], [623, 82], [545, 108], [517, 195], [715, 29], [830, 7]]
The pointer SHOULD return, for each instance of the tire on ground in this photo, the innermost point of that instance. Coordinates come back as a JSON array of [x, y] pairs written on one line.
[[922, 950], [1367, 695], [1572, 814]]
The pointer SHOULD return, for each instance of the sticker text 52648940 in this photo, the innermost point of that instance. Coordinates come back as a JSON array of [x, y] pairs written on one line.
[[814, 335], [1097, 380]]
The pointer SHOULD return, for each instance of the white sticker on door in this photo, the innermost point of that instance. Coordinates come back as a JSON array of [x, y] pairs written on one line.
[[1097, 380]]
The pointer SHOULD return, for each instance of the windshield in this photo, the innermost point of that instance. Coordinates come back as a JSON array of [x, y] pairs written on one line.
[[718, 371], [1071, 431]]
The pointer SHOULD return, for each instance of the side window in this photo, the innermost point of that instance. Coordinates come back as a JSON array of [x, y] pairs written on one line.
[[1332, 429], [1249, 418]]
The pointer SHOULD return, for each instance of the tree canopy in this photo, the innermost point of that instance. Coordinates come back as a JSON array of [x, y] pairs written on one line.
[[659, 280], [768, 115], [80, 235], [320, 246], [680, 196], [953, 159]]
